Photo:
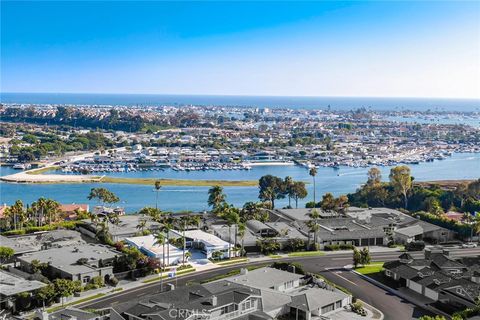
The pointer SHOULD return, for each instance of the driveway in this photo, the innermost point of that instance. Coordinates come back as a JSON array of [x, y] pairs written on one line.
[[393, 307]]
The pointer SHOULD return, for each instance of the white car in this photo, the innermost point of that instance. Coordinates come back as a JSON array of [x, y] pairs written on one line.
[[469, 245]]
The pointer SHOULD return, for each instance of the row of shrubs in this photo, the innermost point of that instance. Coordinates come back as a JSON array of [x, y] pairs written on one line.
[[71, 225], [336, 247]]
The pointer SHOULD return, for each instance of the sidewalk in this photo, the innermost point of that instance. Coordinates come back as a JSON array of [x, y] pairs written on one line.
[[199, 266]]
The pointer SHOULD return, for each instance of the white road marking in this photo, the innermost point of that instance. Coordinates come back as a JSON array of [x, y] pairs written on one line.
[[343, 278]]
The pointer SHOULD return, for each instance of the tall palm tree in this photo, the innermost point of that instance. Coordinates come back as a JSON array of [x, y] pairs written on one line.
[[467, 217], [313, 173], [241, 232], [313, 224], [160, 240], [158, 186], [16, 214], [40, 207], [183, 225], [289, 189], [216, 197], [233, 219], [52, 208], [167, 227]]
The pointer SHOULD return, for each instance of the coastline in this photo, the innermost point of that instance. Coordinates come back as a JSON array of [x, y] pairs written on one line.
[[35, 176]]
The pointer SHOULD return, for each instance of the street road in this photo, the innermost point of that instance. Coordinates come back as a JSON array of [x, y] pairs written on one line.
[[393, 307]]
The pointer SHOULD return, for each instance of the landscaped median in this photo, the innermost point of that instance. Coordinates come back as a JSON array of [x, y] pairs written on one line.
[[306, 254], [230, 261], [374, 267], [93, 297], [165, 275]]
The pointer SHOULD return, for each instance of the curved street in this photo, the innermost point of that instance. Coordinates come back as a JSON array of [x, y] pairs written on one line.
[[330, 266]]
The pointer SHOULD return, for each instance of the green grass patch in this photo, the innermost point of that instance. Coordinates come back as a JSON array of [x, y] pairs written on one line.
[[165, 276], [306, 254], [181, 182], [43, 170], [374, 267], [230, 261], [96, 296], [274, 256]]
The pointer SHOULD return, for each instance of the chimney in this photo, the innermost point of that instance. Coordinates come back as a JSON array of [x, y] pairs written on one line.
[[213, 300], [243, 271]]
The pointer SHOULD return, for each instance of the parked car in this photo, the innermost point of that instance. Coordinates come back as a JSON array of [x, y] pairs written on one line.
[[415, 246], [469, 245]]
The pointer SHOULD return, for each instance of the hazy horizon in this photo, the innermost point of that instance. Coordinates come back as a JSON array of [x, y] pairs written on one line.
[[312, 49]]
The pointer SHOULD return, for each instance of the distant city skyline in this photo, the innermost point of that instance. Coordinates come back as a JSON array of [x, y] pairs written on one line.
[[344, 49]]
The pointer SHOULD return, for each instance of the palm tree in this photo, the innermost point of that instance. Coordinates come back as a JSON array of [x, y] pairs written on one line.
[[467, 217], [241, 232], [181, 224], [160, 241], [216, 197], [289, 189], [167, 226], [196, 220], [233, 219], [313, 224], [16, 214], [40, 207], [52, 208], [157, 190], [313, 173], [142, 223], [154, 213]]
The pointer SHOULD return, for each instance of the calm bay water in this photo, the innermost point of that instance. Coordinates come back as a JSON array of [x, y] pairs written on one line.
[[345, 103], [134, 197], [470, 121]]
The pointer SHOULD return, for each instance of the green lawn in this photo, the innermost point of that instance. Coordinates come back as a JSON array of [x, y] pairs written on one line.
[[274, 256], [165, 275], [306, 254], [96, 296], [374, 267], [230, 261]]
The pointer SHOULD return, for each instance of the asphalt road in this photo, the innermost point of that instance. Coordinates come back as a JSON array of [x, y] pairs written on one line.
[[392, 306]]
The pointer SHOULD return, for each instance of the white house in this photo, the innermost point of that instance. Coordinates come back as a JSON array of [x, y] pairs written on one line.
[[205, 242], [146, 244]]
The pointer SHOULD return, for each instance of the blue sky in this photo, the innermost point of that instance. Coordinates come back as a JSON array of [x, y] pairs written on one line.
[[385, 48]]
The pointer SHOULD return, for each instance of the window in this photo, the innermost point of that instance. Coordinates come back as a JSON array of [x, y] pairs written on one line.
[[86, 279], [338, 304], [224, 310], [328, 308], [289, 284]]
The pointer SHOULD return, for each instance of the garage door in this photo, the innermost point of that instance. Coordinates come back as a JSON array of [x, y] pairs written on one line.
[[415, 287]]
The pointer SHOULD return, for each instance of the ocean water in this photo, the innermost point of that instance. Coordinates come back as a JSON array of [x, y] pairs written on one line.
[[338, 103], [134, 197]]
